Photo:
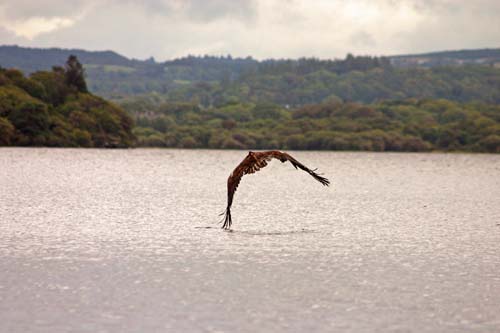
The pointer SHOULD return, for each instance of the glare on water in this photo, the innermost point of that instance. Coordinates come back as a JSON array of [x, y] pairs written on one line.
[[129, 240]]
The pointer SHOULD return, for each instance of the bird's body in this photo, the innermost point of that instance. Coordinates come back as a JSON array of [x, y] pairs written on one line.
[[252, 163]]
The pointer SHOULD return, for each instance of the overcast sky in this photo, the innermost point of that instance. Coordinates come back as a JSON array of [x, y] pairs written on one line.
[[167, 29]]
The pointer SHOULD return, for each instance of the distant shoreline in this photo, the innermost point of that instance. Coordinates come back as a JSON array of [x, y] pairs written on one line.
[[435, 152]]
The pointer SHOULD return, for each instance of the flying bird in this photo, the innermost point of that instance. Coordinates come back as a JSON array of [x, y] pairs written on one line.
[[252, 163]]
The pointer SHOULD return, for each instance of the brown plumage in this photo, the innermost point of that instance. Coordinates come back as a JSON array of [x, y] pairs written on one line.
[[253, 163]]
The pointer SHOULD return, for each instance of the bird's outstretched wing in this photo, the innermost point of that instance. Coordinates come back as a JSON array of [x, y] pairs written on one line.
[[283, 157], [252, 163]]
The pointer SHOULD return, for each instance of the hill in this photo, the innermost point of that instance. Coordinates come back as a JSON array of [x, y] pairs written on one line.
[[30, 60], [446, 58], [464, 76], [220, 102], [53, 108]]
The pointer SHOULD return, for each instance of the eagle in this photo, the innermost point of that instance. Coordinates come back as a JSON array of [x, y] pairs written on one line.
[[252, 163]]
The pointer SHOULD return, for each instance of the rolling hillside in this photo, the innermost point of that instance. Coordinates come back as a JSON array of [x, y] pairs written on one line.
[[463, 76]]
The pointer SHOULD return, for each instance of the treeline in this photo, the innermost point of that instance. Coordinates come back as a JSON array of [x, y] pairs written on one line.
[[359, 103], [462, 84], [177, 79], [54, 108], [312, 81], [410, 125], [212, 81], [446, 58]]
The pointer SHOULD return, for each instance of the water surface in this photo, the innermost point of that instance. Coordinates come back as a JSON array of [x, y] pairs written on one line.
[[129, 240]]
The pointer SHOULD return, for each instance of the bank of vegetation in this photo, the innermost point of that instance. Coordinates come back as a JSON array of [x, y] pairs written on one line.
[[408, 125], [358, 103], [54, 108]]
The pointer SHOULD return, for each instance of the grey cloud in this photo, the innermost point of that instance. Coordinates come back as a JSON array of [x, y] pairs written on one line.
[[151, 7], [428, 5], [24, 9], [472, 24], [197, 10], [362, 38], [210, 10], [451, 7], [260, 28], [7, 37]]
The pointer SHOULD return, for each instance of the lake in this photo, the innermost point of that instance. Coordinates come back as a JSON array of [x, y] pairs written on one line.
[[129, 241]]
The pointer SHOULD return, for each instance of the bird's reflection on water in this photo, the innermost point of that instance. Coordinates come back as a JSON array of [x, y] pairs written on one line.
[[262, 233], [272, 233]]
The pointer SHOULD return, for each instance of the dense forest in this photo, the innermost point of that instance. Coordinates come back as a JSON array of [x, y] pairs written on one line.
[[356, 103], [409, 125], [464, 76], [295, 85], [55, 109], [213, 81]]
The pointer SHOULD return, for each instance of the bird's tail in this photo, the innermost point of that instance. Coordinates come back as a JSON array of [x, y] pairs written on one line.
[[227, 219]]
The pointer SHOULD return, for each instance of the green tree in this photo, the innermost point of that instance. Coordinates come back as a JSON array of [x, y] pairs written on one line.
[[6, 132], [32, 121], [75, 74]]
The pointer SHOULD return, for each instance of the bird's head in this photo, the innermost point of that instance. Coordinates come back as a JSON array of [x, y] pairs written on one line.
[[251, 153]]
